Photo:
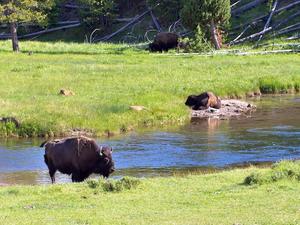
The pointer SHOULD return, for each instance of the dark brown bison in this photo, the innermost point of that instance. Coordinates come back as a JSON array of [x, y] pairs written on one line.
[[79, 156], [164, 41], [203, 101]]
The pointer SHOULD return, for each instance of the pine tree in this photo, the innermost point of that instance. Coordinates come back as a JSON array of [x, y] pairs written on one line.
[[16, 12], [208, 14], [95, 13]]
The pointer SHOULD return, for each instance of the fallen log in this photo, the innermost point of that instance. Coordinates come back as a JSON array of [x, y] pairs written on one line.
[[133, 21], [286, 20], [155, 21], [269, 19], [36, 25], [284, 51], [234, 4], [291, 26], [246, 7], [241, 34], [122, 20], [70, 6], [286, 31], [290, 45], [293, 37], [252, 22], [42, 32], [290, 6], [251, 36], [66, 22]]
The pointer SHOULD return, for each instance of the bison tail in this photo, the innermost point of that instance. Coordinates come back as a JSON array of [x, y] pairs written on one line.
[[43, 144], [46, 159]]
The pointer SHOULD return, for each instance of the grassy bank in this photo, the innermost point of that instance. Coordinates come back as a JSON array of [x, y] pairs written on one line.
[[221, 198], [107, 79]]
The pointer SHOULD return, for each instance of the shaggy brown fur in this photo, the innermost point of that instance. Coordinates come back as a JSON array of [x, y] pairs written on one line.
[[164, 41], [203, 101], [79, 156]]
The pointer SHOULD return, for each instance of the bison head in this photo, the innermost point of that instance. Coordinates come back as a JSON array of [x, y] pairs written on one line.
[[191, 100], [154, 47], [105, 165]]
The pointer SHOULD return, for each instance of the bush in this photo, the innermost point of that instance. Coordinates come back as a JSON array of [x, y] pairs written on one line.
[[97, 13], [167, 11], [7, 129], [199, 43], [126, 183], [279, 171]]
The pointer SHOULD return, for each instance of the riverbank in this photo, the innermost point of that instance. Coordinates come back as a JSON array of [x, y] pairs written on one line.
[[241, 196], [107, 79]]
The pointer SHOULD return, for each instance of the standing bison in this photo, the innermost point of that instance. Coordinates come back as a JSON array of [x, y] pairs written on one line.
[[203, 101], [79, 156], [164, 41]]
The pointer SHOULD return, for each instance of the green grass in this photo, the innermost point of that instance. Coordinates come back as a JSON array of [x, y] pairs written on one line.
[[219, 198], [108, 78]]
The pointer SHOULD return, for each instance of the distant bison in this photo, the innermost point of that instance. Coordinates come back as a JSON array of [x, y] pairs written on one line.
[[79, 156], [203, 101], [164, 41]]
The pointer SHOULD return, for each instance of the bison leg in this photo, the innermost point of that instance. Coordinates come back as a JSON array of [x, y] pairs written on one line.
[[51, 168], [52, 171], [52, 175], [79, 177], [76, 177]]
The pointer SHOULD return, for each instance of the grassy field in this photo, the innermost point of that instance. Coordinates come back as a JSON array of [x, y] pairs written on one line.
[[108, 78], [271, 197]]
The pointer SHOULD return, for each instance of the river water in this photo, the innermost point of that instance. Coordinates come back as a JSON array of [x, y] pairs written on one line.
[[270, 134]]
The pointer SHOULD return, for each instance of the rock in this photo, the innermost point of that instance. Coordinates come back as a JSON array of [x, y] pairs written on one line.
[[80, 132], [137, 108], [65, 92], [230, 108]]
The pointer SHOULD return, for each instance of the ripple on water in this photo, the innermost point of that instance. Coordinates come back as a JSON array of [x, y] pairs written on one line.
[[283, 131], [272, 135]]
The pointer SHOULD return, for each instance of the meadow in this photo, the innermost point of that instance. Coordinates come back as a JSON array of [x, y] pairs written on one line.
[[108, 78], [242, 196]]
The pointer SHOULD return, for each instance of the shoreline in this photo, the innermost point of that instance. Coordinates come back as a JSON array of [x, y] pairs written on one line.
[[202, 170], [191, 116], [195, 196]]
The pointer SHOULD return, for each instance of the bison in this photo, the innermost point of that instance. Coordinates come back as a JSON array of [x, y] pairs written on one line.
[[79, 156], [203, 101], [164, 41]]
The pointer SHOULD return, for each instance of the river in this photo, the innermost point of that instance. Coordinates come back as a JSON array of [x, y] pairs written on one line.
[[270, 134]]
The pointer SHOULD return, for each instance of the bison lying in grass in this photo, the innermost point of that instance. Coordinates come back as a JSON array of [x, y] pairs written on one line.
[[79, 156]]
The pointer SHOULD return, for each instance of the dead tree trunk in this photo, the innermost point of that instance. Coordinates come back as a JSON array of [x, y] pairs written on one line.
[[214, 35], [269, 19], [14, 37], [246, 7]]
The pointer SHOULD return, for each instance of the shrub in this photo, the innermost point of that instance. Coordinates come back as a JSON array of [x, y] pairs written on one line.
[[279, 171], [126, 183], [199, 43]]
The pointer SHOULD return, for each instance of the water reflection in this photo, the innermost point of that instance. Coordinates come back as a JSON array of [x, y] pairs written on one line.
[[271, 134]]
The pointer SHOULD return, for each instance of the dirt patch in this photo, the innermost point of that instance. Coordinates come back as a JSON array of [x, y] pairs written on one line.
[[230, 108]]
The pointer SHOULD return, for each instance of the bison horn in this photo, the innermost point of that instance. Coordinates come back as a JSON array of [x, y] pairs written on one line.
[[100, 152]]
